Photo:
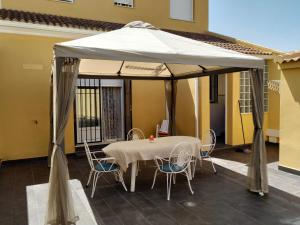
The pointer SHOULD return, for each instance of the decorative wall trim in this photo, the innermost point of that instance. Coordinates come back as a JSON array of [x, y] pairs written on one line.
[[289, 170], [12, 27]]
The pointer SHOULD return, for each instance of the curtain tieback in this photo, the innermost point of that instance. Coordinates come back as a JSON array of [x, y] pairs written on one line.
[[57, 145]]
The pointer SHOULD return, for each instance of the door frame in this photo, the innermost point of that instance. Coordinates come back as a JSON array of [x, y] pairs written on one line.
[[125, 105]]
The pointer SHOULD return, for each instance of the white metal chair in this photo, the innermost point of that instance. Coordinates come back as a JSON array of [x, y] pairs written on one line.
[[207, 147], [99, 166], [177, 163], [135, 134]]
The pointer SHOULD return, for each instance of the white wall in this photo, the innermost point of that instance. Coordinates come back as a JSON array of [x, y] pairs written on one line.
[[217, 110]]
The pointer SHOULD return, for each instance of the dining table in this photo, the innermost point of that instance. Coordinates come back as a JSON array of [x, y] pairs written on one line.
[[130, 152]]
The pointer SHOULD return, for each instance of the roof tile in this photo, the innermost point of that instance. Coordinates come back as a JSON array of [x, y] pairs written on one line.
[[71, 22]]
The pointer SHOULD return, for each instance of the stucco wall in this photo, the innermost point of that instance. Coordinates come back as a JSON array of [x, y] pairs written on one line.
[[274, 98], [25, 64], [234, 134], [155, 11], [185, 107], [289, 154], [148, 105]]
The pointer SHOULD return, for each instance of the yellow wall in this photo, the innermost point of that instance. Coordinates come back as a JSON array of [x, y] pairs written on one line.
[[148, 105], [24, 96], [289, 154], [25, 91], [185, 107], [156, 12], [274, 98], [204, 107], [234, 126], [21, 138]]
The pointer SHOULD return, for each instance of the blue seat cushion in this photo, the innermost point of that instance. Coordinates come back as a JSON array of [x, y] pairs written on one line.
[[106, 166], [204, 154], [170, 168]]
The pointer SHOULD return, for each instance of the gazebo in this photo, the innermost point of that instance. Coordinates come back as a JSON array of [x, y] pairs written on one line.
[[141, 51]]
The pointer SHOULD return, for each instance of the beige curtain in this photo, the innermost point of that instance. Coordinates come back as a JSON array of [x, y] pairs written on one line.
[[50, 146], [171, 92], [60, 205], [111, 112], [257, 171]]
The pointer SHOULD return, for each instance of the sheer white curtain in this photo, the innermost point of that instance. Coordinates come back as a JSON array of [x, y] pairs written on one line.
[[60, 209]]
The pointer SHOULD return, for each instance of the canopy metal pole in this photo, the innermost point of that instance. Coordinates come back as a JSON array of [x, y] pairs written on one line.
[[54, 99], [172, 119], [196, 107]]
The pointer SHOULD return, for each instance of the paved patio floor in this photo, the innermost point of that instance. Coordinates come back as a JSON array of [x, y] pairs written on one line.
[[218, 199], [237, 162]]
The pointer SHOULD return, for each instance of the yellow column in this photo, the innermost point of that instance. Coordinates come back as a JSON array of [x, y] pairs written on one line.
[[204, 106], [234, 127]]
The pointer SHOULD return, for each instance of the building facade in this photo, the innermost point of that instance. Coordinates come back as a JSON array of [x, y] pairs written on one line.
[[289, 153], [29, 30]]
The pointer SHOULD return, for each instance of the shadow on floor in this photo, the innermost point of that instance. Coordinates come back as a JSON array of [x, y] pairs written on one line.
[[219, 199], [239, 156]]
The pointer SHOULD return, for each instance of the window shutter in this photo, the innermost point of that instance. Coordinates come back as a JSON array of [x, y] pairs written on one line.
[[182, 9]]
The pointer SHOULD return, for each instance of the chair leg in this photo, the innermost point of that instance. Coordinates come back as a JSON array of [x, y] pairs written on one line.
[[96, 176], [201, 162], [174, 178], [189, 169], [194, 167], [90, 176], [188, 179], [167, 175], [213, 166], [122, 180], [137, 168], [169, 184], [154, 179]]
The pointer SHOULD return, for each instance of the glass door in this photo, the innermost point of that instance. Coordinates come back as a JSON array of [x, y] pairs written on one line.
[[99, 111]]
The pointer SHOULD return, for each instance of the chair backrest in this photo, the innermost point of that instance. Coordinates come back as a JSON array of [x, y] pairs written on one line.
[[209, 141], [88, 155], [181, 154], [135, 134]]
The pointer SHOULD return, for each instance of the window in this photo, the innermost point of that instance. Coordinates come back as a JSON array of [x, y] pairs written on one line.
[[213, 89], [245, 91], [124, 3], [99, 110], [182, 9]]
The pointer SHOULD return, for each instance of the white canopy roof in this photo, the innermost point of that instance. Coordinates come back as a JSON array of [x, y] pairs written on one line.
[[141, 50]]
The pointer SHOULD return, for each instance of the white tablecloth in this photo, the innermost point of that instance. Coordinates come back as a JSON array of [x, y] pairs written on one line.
[[127, 152]]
